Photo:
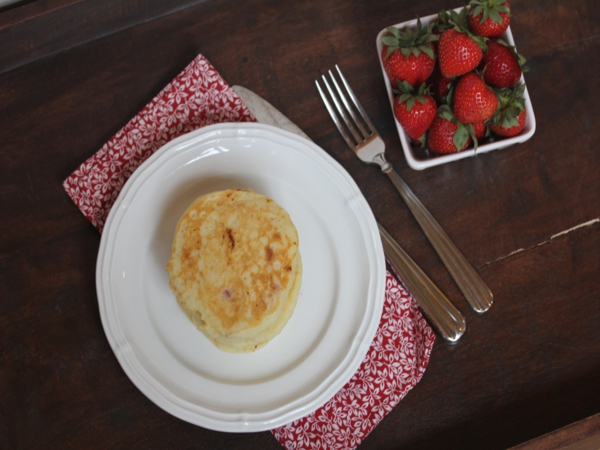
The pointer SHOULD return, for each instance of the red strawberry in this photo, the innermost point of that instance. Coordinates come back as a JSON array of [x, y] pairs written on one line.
[[509, 119], [473, 100], [408, 55], [502, 64], [458, 53], [446, 134], [509, 131], [489, 18], [414, 110], [439, 84], [414, 70], [480, 130]]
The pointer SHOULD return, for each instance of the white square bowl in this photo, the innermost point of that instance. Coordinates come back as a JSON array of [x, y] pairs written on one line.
[[422, 159]]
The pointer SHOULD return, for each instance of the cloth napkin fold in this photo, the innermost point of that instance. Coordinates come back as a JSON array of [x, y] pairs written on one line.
[[400, 351], [197, 97]]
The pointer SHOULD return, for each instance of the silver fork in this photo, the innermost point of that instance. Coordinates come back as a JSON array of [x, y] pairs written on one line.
[[443, 315], [361, 136]]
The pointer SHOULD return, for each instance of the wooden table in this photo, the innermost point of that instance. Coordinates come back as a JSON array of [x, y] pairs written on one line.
[[72, 73]]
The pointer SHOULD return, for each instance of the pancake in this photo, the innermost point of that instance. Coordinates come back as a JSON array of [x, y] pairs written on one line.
[[235, 268]]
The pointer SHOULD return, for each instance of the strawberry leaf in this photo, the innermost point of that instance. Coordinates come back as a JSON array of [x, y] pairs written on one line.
[[510, 104], [390, 50], [495, 16], [481, 42], [461, 136], [455, 17], [519, 91], [489, 9], [431, 37], [390, 41], [395, 32], [445, 112], [509, 121], [443, 22], [409, 41], [402, 98], [426, 48], [419, 25], [471, 132], [484, 16], [423, 89], [449, 98], [477, 10]]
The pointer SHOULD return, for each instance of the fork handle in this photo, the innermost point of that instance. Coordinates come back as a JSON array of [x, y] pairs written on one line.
[[443, 315], [477, 293]]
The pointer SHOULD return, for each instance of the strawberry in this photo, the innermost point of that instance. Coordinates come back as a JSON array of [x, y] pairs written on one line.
[[439, 84], [481, 130], [459, 51], [489, 18], [446, 134], [414, 110], [509, 119], [509, 131], [503, 65], [408, 55], [473, 100]]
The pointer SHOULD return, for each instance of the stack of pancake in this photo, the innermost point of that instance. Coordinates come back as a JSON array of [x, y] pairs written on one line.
[[235, 268]]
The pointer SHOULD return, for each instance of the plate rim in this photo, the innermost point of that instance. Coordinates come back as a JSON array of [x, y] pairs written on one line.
[[227, 421]]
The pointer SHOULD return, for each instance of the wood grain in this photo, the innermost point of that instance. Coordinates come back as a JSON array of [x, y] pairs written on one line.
[[39, 28], [582, 435], [527, 217]]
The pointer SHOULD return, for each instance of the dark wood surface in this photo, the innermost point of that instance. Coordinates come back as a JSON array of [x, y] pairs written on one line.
[[526, 217], [581, 435]]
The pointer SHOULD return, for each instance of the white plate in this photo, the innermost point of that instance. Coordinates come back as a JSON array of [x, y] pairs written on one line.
[[340, 301], [420, 159]]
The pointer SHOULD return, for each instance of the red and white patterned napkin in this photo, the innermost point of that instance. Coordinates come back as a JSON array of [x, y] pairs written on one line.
[[400, 352], [394, 363], [197, 97]]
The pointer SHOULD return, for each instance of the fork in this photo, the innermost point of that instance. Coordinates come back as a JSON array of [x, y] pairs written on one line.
[[443, 315], [362, 137]]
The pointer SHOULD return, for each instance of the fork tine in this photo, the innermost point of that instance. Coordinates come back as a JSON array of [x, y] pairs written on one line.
[[356, 102], [358, 138], [335, 118], [343, 97]]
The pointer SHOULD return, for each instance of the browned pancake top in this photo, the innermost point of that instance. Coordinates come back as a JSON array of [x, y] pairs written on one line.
[[235, 259]]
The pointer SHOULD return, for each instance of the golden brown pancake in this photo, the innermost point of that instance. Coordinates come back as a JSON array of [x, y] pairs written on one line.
[[235, 268]]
